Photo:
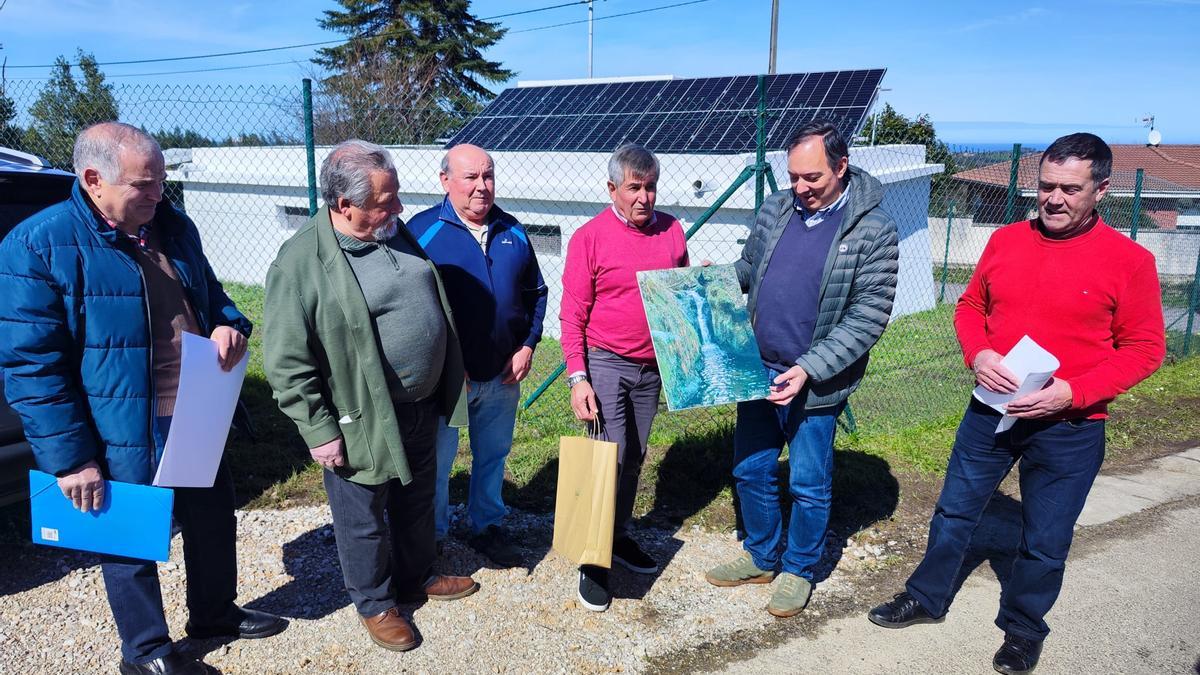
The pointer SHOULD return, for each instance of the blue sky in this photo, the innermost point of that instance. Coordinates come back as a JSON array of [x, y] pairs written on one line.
[[994, 72]]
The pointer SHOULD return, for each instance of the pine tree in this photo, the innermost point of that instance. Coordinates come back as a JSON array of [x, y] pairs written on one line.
[[66, 106], [412, 70]]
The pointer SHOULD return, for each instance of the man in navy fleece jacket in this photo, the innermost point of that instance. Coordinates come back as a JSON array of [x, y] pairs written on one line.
[[499, 299]]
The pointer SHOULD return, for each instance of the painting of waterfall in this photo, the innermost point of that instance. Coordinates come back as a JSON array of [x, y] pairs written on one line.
[[702, 337]]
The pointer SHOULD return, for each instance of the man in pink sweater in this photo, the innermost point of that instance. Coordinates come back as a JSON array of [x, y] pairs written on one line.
[[613, 375], [1088, 295]]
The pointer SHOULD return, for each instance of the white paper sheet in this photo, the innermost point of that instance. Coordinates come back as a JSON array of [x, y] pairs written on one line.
[[1033, 367], [203, 411]]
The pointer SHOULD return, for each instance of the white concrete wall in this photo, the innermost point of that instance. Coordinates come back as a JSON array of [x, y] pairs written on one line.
[[236, 197]]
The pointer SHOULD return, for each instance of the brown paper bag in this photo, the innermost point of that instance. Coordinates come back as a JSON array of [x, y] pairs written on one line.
[[586, 502]]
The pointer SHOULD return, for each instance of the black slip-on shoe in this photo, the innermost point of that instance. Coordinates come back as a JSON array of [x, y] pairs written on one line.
[[253, 626], [593, 588], [629, 555], [901, 611], [1017, 655], [171, 664]]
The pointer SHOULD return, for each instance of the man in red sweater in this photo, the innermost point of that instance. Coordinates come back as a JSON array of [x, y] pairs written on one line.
[[611, 367], [1090, 296]]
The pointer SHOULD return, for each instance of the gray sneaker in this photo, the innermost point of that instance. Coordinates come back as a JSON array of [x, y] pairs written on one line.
[[790, 597], [738, 571]]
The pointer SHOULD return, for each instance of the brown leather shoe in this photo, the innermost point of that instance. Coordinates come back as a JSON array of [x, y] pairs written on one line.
[[445, 587], [390, 630]]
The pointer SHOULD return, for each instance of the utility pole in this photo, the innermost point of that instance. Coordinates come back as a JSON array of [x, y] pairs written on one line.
[[590, 39], [774, 36]]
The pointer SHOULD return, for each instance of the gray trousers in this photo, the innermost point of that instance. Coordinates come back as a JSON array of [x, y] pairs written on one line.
[[384, 532], [627, 396]]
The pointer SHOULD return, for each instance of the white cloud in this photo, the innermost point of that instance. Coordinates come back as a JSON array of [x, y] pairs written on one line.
[[1007, 19]]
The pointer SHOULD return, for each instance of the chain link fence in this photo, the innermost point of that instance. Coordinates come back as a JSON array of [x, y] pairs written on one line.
[[239, 162]]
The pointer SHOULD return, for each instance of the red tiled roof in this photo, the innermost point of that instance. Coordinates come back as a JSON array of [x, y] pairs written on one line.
[[1168, 168]]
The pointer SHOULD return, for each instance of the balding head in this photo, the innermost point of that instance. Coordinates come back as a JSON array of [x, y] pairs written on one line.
[[469, 179], [121, 168], [100, 146]]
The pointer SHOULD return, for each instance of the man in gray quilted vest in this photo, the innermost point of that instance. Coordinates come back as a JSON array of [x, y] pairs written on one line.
[[820, 268]]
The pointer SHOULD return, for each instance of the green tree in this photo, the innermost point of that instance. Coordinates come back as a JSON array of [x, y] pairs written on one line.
[[891, 127], [182, 138], [412, 69], [66, 106], [10, 134]]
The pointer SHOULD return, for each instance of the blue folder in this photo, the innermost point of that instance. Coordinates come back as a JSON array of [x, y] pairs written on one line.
[[134, 521]]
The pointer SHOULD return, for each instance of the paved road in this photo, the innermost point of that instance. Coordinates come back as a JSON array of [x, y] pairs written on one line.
[[1129, 603]]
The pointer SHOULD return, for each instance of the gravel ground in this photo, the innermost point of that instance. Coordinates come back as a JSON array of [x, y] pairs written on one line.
[[53, 613]]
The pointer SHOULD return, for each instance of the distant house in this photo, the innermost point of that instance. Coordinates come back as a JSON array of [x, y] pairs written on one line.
[[1170, 187]]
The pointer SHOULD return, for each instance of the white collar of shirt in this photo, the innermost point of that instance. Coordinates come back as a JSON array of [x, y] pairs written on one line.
[[480, 232], [623, 219], [817, 217]]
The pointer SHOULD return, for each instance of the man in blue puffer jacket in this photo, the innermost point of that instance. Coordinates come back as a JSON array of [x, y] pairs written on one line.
[[98, 291]]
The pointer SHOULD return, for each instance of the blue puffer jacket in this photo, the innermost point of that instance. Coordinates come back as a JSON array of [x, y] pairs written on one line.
[[75, 340]]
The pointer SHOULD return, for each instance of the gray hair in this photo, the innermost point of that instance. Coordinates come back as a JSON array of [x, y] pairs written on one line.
[[631, 157], [346, 171], [99, 147]]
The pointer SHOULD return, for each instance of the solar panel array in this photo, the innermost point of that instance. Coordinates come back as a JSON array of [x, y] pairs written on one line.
[[695, 115]]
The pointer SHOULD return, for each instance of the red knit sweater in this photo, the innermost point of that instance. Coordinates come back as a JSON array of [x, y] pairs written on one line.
[[601, 304], [1092, 300]]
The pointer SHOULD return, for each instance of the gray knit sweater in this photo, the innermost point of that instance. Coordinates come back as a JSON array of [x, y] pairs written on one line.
[[402, 297]]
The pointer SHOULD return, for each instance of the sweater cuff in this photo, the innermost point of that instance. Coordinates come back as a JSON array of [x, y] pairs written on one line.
[[576, 364], [971, 353]]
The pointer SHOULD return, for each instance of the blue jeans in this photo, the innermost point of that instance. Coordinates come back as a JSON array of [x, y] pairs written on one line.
[[492, 412], [1059, 460], [205, 516], [762, 429]]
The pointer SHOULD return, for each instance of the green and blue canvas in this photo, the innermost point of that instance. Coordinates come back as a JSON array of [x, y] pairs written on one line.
[[702, 336]]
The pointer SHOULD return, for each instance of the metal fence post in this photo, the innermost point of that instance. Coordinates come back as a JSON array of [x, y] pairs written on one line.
[[760, 144], [310, 149], [1193, 305], [1137, 204], [771, 180], [946, 255], [1010, 206]]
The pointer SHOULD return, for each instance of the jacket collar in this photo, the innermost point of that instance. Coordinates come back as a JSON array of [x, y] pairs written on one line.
[[863, 193], [166, 219]]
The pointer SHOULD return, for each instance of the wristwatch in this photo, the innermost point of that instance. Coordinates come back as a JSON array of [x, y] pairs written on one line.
[[576, 379]]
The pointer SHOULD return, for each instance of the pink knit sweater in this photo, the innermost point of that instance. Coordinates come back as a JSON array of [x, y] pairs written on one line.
[[601, 305]]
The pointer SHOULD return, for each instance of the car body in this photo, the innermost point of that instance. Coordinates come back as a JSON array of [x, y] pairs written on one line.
[[28, 184]]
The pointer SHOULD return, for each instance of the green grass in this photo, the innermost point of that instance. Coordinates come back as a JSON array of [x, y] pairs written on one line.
[[907, 410]]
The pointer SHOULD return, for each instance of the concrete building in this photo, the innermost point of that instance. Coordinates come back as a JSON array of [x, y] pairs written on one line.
[[248, 201]]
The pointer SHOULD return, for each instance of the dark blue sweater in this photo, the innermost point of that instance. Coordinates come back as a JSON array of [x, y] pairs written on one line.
[[791, 290], [498, 297]]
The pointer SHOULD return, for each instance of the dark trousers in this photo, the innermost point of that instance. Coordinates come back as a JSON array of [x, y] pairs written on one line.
[[627, 396], [1059, 461], [205, 516], [384, 533]]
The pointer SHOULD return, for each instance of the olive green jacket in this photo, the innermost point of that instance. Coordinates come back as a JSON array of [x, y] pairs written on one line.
[[323, 361]]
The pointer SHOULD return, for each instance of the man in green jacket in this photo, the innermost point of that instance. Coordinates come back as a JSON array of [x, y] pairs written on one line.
[[820, 268], [360, 348]]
